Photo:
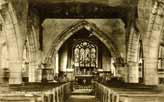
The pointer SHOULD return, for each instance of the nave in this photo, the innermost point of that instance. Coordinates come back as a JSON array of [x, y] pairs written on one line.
[[83, 94], [53, 50]]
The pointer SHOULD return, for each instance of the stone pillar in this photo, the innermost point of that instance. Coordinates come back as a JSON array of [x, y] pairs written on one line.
[[151, 61], [151, 44], [1, 41], [63, 57], [15, 58], [162, 55], [150, 71], [1, 70], [14, 32], [32, 71], [15, 71], [113, 69], [133, 56], [122, 71], [106, 60], [133, 76]]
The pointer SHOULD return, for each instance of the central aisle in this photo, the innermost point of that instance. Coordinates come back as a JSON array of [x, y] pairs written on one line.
[[81, 98], [82, 95]]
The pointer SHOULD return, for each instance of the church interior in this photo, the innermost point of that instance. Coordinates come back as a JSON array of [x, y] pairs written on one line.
[[81, 51]]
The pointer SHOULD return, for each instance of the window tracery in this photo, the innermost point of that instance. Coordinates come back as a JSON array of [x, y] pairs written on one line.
[[85, 54]]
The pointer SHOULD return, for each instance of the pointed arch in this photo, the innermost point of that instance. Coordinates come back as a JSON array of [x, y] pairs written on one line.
[[151, 43], [11, 28], [133, 46], [133, 55], [67, 33]]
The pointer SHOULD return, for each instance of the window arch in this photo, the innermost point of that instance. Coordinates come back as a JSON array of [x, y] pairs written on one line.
[[85, 54]]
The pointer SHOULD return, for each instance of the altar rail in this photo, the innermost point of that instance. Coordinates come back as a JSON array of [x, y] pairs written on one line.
[[57, 94]]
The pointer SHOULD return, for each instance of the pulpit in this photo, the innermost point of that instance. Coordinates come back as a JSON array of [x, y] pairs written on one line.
[[45, 73]]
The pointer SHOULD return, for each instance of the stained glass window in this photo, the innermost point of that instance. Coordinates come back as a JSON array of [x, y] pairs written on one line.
[[85, 54]]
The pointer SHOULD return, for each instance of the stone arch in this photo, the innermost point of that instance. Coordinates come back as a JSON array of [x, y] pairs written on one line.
[[25, 64], [133, 55], [33, 45], [151, 43], [66, 34], [133, 45], [32, 54], [14, 41]]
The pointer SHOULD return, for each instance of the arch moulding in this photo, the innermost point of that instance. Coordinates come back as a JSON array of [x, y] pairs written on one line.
[[67, 33]]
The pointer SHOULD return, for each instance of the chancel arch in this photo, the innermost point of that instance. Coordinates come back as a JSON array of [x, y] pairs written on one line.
[[61, 53], [66, 34], [82, 56]]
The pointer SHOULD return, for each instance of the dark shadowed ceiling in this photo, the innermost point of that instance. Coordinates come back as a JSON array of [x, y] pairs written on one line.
[[85, 8]]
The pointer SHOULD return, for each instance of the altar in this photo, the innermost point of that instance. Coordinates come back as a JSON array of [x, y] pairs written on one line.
[[84, 76]]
